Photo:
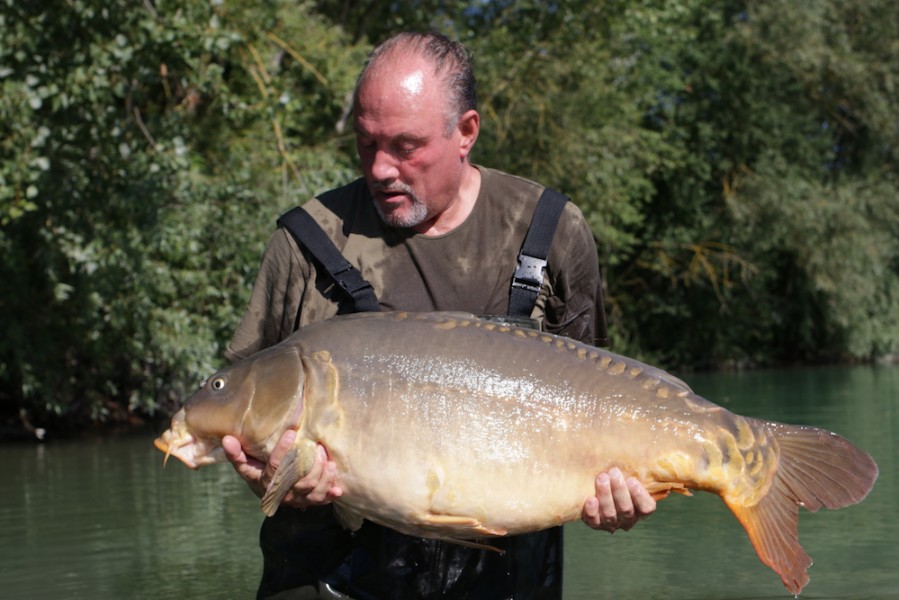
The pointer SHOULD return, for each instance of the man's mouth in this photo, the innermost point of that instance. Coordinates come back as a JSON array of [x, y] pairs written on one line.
[[390, 196]]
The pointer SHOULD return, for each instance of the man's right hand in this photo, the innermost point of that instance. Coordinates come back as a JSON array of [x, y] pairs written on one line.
[[315, 489]]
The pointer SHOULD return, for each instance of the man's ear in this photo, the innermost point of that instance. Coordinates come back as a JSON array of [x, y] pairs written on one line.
[[469, 126]]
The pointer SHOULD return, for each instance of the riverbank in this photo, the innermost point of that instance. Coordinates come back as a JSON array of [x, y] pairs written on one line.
[[20, 427]]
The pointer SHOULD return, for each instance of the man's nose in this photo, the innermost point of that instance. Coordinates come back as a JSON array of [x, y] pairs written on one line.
[[384, 166]]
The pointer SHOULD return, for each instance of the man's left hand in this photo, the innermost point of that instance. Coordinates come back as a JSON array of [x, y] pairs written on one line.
[[618, 504]]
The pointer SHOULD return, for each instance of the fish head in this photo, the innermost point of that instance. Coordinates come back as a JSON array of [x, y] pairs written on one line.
[[254, 400]]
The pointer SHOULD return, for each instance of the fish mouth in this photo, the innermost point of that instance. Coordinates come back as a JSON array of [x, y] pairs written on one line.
[[175, 445], [193, 449]]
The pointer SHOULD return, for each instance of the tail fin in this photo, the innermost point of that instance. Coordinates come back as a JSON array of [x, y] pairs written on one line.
[[817, 469]]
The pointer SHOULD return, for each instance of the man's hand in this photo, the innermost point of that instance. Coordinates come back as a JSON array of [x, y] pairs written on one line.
[[315, 489], [618, 503]]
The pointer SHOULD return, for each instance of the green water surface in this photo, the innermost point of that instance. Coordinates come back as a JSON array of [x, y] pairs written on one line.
[[101, 518]]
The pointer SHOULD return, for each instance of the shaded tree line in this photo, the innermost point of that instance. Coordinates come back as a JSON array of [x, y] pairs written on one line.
[[737, 162]]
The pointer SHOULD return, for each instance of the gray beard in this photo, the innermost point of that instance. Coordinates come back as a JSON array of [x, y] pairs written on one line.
[[415, 215]]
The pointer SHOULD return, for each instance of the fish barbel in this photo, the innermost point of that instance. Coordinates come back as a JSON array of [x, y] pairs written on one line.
[[493, 430]]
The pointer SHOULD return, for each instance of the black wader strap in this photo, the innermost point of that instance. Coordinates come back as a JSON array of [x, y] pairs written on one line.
[[532, 259], [309, 234]]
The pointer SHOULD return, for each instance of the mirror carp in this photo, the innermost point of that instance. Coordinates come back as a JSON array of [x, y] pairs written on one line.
[[449, 427]]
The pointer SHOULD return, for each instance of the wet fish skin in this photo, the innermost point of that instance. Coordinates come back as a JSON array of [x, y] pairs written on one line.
[[448, 427]]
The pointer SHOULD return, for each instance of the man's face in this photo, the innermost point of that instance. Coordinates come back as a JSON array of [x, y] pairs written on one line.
[[412, 166]]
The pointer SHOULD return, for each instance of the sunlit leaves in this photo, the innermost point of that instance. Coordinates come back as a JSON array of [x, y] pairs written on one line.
[[143, 167]]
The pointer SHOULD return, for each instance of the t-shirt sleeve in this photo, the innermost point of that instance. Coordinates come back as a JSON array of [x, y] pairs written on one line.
[[575, 306], [272, 311]]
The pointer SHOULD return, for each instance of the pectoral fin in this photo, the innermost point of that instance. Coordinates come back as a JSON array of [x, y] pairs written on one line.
[[470, 527], [294, 466], [472, 544]]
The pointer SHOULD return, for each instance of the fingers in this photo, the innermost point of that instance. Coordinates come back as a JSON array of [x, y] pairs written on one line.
[[274, 460], [644, 503], [623, 506], [248, 468], [233, 450], [315, 488], [600, 511], [307, 486], [618, 503], [321, 478], [318, 486]]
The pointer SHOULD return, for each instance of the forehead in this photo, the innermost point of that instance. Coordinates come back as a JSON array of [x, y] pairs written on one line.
[[403, 96]]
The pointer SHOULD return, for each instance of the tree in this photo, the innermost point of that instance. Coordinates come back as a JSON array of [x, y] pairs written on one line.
[[147, 148], [736, 160], [762, 119]]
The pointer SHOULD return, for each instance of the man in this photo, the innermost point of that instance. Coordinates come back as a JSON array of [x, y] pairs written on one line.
[[430, 231]]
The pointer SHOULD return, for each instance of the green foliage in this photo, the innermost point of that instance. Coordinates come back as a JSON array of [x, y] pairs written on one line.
[[737, 162], [792, 98], [837, 244], [146, 151]]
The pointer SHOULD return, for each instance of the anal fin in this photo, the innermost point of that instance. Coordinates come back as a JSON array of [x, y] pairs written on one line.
[[659, 490]]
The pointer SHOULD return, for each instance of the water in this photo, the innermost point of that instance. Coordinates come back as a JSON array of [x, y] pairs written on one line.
[[693, 548], [100, 518]]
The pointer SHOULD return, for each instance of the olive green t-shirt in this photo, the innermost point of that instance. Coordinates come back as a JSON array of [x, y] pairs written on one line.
[[468, 269]]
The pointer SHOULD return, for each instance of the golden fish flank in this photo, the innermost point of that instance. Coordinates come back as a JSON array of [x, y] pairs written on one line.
[[494, 430]]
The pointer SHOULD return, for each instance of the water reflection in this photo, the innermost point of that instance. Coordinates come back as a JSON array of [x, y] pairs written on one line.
[[100, 518]]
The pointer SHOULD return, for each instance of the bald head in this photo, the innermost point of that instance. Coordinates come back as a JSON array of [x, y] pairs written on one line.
[[450, 61]]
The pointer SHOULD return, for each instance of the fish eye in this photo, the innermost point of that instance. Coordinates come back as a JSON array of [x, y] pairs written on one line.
[[218, 383]]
